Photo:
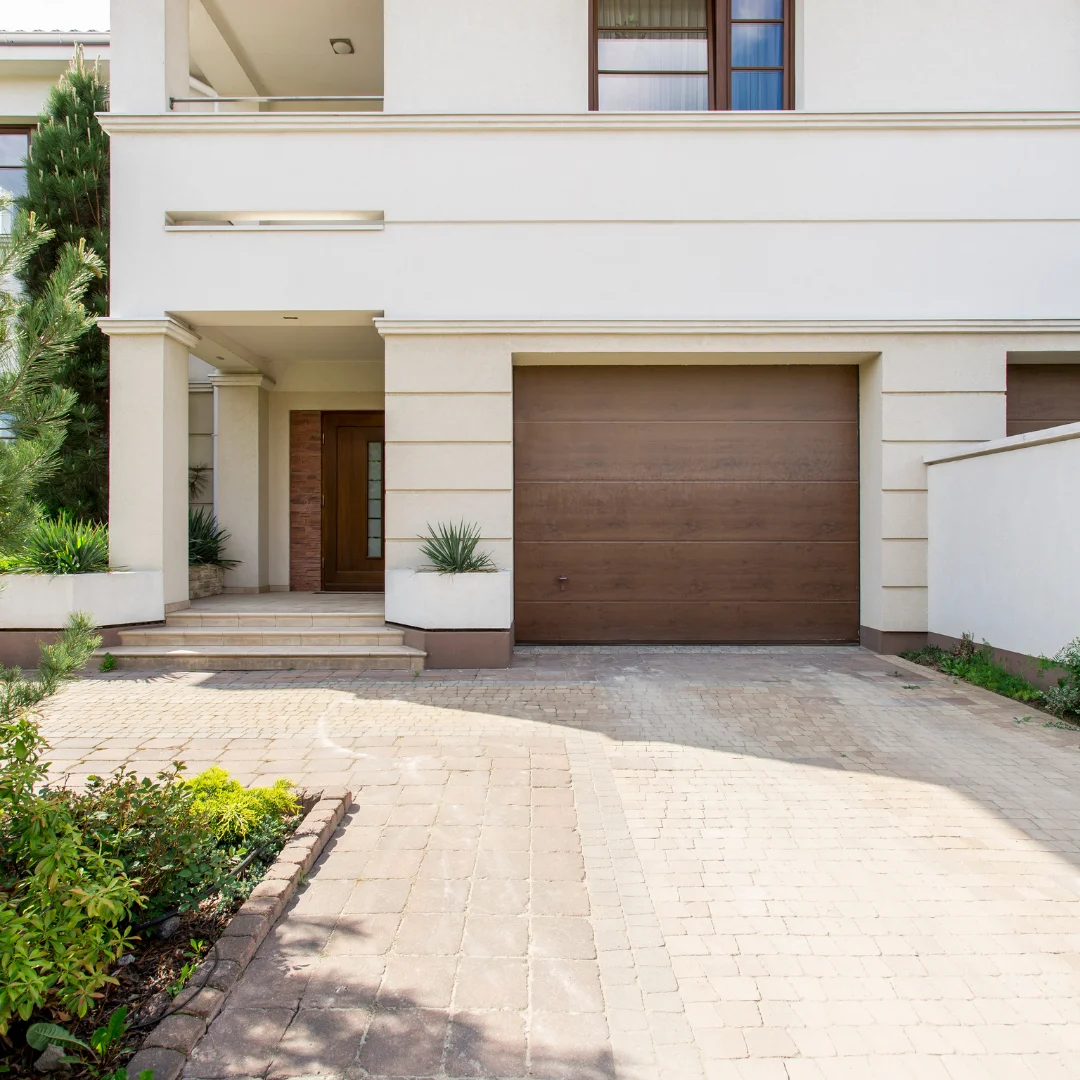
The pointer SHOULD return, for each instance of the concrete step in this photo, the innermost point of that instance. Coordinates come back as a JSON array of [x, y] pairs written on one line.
[[192, 636], [291, 619], [264, 657]]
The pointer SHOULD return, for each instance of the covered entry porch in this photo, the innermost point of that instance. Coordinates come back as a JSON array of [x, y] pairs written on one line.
[[298, 443]]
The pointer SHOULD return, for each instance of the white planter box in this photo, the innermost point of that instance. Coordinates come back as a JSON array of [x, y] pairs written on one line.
[[432, 601], [44, 601]]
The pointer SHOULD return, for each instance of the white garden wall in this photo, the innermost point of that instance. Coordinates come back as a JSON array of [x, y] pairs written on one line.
[[44, 601], [1004, 522]]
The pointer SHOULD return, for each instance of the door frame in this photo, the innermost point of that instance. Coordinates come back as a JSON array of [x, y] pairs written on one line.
[[369, 418]]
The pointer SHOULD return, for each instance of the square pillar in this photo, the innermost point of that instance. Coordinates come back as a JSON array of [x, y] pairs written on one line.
[[924, 395], [450, 458], [242, 476], [148, 449], [149, 55]]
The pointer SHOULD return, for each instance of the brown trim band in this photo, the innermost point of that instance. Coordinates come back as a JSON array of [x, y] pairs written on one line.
[[462, 648], [891, 642]]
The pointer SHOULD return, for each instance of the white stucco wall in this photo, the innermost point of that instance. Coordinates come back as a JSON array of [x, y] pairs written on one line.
[[909, 55], [1003, 534], [885, 222], [486, 56], [890, 55]]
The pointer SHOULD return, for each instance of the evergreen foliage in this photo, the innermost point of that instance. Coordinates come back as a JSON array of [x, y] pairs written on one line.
[[68, 192], [38, 336]]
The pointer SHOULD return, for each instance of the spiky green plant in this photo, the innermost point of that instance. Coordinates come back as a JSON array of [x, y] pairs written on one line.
[[207, 540], [62, 545], [451, 549]]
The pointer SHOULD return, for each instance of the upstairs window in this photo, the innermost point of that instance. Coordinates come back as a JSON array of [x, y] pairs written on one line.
[[691, 55], [14, 147]]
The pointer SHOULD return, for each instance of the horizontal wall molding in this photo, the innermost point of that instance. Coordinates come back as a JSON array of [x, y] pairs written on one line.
[[588, 122], [687, 327]]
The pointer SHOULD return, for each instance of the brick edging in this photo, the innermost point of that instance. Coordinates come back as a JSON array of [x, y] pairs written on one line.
[[167, 1047]]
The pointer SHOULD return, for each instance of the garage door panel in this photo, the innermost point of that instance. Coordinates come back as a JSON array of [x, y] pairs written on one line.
[[709, 622], [692, 571], [626, 510], [693, 504], [1042, 396], [684, 394], [766, 451]]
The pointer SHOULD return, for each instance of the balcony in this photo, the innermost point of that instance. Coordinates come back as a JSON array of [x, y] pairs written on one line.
[[281, 56]]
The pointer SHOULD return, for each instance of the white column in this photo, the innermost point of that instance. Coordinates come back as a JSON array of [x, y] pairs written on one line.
[[924, 395], [242, 476], [148, 449], [148, 55]]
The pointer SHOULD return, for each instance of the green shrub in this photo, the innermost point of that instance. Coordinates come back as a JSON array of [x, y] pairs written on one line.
[[233, 811], [451, 549], [976, 666], [181, 838], [1064, 699], [62, 545], [77, 870], [149, 827], [64, 905], [207, 540]]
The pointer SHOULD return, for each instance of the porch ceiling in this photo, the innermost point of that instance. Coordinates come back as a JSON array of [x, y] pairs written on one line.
[[252, 341], [283, 47]]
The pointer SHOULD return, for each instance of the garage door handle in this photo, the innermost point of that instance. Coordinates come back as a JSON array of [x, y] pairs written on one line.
[[561, 579]]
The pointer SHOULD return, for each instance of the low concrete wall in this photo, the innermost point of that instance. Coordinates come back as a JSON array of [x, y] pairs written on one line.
[[44, 601], [432, 601], [1004, 526]]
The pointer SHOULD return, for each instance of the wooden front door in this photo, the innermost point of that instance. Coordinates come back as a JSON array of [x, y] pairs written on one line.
[[352, 525]]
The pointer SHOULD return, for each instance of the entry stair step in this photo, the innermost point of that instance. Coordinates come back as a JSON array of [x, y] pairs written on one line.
[[266, 641]]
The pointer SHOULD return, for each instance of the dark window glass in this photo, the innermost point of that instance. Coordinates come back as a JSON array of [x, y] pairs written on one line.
[[757, 45], [757, 90], [757, 9], [14, 146], [757, 54]]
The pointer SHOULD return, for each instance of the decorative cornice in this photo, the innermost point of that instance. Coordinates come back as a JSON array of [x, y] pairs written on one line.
[[1063, 433], [169, 328], [683, 327], [263, 382], [232, 123]]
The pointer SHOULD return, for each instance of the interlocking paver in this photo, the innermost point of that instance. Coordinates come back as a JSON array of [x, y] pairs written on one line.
[[640, 863]]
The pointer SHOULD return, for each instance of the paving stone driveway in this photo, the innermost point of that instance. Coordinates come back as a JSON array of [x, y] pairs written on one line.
[[631, 863]]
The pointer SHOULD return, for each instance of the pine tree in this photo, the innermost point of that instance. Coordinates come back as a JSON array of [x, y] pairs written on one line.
[[68, 192], [38, 337]]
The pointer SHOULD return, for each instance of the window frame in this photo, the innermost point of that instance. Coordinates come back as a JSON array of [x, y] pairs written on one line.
[[18, 129], [718, 35]]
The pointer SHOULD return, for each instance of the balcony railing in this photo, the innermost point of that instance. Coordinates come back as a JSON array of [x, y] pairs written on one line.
[[312, 98]]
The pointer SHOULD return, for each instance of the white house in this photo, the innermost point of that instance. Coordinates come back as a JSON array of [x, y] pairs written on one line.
[[672, 297]]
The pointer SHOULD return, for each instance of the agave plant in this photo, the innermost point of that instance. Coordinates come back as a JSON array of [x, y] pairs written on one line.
[[62, 545], [207, 540], [451, 549]]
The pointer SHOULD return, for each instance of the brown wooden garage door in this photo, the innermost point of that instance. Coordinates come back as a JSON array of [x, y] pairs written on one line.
[[686, 504], [1042, 396]]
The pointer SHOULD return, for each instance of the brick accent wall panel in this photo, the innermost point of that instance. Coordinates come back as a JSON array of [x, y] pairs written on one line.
[[305, 501]]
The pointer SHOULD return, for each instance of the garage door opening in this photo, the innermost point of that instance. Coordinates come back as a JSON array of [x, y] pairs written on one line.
[[686, 505]]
